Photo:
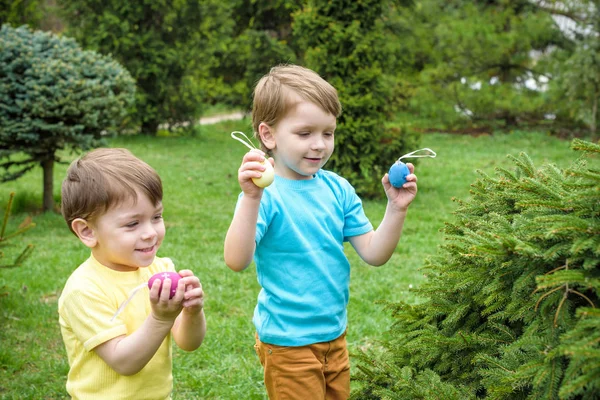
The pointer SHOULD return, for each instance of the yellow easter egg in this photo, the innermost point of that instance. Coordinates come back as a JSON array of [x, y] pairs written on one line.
[[268, 176]]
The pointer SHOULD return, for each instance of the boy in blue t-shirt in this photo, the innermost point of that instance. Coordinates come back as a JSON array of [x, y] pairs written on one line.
[[295, 230]]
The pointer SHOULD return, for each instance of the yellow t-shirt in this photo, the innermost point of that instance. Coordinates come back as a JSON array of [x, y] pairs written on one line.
[[86, 306]]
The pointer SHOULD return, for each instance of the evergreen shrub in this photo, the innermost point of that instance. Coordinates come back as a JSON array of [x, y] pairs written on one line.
[[512, 297], [54, 96]]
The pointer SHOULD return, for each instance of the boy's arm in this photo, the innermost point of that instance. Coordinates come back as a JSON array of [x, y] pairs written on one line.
[[239, 243], [190, 326], [376, 247], [127, 355], [189, 329]]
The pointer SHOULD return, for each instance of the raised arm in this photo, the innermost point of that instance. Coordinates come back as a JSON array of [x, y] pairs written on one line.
[[239, 242], [376, 247]]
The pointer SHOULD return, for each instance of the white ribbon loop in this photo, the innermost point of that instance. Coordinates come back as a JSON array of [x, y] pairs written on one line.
[[413, 155], [131, 294], [247, 143]]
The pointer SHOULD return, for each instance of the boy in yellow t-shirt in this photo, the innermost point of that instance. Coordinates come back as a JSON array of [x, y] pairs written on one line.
[[112, 201]]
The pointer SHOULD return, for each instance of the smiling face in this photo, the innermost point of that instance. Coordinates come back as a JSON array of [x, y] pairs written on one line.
[[301, 141], [128, 235]]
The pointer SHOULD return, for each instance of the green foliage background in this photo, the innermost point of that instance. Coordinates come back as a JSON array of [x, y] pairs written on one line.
[[167, 46]]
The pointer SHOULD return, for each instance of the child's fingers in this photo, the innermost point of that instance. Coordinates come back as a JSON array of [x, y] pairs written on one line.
[[165, 291], [196, 292], [190, 282], [186, 273], [155, 290], [193, 298], [385, 181], [253, 155], [411, 178], [252, 166], [193, 303], [410, 187], [251, 170]]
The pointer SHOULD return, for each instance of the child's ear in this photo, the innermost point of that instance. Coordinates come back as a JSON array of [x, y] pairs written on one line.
[[266, 135], [84, 232]]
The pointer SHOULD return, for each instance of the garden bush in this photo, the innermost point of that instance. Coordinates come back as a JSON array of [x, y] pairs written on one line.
[[54, 96], [511, 297]]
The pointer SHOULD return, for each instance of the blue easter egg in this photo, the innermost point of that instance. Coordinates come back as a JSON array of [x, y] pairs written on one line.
[[398, 173]]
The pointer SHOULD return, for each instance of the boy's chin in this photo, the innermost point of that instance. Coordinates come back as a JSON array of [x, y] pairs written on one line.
[[145, 263]]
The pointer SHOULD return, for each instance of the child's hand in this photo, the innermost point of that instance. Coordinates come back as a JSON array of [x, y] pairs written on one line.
[[252, 168], [401, 197], [193, 297], [163, 308]]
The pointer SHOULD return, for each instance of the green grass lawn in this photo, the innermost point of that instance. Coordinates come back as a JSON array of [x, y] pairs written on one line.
[[199, 177]]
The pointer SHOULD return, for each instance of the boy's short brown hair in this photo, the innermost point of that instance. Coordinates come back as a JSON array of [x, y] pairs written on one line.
[[271, 99], [104, 178]]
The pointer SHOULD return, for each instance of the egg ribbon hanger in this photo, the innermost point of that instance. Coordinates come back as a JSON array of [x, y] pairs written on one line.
[[414, 155], [131, 294], [248, 143]]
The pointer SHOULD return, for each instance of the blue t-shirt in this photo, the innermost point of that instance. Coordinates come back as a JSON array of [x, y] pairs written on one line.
[[300, 260]]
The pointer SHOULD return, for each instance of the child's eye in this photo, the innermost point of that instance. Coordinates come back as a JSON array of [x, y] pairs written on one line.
[[328, 134], [131, 224], [304, 134], [158, 217]]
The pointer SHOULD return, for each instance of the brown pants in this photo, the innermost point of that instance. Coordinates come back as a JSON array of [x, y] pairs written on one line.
[[317, 371]]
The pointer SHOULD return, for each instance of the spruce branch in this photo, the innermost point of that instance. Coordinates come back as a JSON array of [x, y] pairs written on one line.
[[19, 261], [11, 196], [562, 301], [583, 145], [487, 359], [27, 224], [18, 231], [584, 296], [546, 295], [556, 269]]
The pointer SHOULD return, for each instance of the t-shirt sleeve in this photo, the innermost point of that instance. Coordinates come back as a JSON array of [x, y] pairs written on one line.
[[262, 222], [355, 220], [89, 315]]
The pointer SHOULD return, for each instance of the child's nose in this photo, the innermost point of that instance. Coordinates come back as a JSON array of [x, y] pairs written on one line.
[[318, 143], [149, 232]]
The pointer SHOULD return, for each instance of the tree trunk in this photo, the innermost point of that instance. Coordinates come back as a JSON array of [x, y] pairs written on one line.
[[48, 200], [510, 120], [594, 124], [149, 128]]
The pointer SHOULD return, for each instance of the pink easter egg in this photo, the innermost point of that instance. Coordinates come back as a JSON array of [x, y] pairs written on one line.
[[173, 276]]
